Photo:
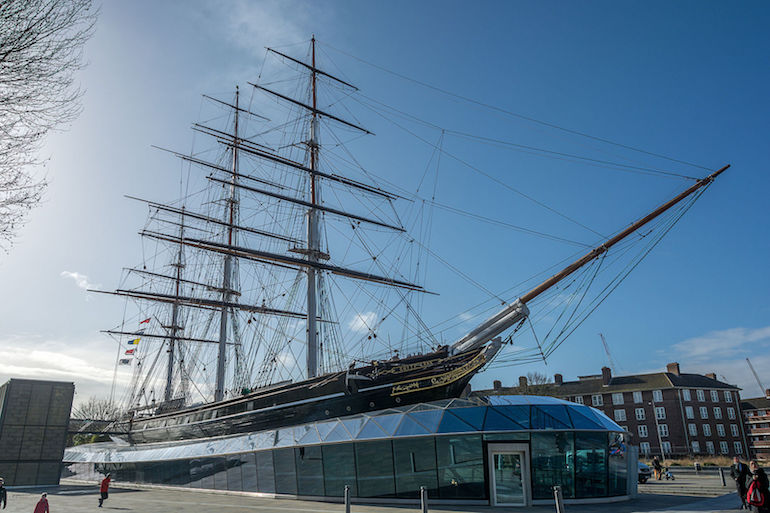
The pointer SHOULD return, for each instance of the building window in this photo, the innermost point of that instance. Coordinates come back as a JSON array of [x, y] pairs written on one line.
[[738, 447], [710, 447], [706, 430], [734, 430], [620, 415], [701, 395], [686, 395], [579, 399], [695, 447], [689, 412], [704, 412], [730, 413], [721, 429], [637, 397], [640, 414], [663, 429], [693, 429], [717, 412], [657, 395], [728, 396], [714, 396], [596, 400], [667, 447], [644, 447], [617, 398], [660, 412], [642, 431], [723, 448]]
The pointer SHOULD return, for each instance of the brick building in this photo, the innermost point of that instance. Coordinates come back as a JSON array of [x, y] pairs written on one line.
[[756, 413], [670, 412]]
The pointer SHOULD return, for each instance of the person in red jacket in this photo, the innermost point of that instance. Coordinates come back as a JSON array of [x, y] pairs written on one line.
[[104, 489], [42, 504]]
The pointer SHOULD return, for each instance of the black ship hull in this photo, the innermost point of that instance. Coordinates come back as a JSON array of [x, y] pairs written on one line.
[[382, 385]]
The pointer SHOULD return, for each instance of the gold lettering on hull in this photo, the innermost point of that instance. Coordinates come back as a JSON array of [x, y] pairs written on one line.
[[406, 387]]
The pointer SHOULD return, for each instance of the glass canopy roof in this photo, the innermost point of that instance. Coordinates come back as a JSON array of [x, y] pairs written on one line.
[[452, 416]]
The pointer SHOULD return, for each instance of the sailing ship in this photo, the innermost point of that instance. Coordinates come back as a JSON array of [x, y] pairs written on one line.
[[203, 303]]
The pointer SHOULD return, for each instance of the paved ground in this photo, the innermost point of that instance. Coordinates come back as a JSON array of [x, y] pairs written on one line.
[[656, 497]]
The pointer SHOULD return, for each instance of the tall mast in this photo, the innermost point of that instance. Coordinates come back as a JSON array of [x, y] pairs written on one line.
[[219, 391], [313, 243], [174, 316]]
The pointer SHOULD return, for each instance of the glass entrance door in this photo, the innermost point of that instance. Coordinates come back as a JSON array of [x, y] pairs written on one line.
[[509, 475]]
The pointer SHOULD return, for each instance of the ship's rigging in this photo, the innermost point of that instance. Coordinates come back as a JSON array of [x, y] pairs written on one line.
[[245, 267]]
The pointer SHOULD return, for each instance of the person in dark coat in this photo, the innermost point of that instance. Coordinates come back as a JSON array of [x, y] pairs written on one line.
[[759, 476], [740, 472], [3, 493], [104, 489], [657, 467]]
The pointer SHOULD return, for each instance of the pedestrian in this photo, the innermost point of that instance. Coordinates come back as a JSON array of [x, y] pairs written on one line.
[[757, 494], [3, 493], [104, 490], [42, 504], [740, 472], [657, 467]]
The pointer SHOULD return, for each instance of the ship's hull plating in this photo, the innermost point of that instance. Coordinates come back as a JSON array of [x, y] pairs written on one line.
[[384, 385]]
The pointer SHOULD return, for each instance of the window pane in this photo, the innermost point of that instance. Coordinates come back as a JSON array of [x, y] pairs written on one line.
[[552, 463], [220, 473], [310, 478], [415, 464], [618, 465], [178, 473], [590, 464], [265, 472], [374, 466], [339, 467], [243, 467], [460, 467], [285, 473]]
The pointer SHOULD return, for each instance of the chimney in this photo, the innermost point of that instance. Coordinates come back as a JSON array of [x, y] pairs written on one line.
[[712, 375], [558, 379], [767, 393], [606, 376], [522, 382], [673, 368], [497, 384]]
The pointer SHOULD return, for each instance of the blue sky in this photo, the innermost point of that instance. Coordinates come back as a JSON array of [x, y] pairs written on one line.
[[687, 80]]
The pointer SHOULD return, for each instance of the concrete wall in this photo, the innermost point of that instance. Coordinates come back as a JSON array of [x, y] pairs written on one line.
[[33, 430]]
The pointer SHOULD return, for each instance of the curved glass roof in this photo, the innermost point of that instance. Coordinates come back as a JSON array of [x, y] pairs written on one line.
[[452, 416]]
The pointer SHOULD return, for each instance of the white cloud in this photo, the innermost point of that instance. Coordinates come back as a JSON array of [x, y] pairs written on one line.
[[363, 322], [723, 343], [81, 280], [466, 316]]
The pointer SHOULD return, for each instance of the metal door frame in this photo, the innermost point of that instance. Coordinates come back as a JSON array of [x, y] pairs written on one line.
[[508, 448]]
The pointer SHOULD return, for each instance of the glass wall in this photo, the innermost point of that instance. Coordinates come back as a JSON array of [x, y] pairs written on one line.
[[586, 464]]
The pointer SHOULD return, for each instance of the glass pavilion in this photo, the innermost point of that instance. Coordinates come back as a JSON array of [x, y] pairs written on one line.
[[499, 450]]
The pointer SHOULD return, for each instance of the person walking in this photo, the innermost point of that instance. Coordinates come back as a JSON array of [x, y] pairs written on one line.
[[657, 467], [758, 492], [104, 489], [42, 504], [3, 493], [740, 472]]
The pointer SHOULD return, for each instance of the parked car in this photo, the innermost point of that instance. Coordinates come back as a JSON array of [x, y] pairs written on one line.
[[644, 473]]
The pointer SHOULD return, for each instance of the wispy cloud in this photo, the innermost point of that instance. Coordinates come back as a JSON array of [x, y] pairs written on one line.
[[724, 352], [363, 322], [81, 280]]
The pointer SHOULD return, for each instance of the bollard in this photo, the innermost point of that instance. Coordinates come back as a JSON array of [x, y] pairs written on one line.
[[558, 499], [722, 476], [423, 500], [347, 499]]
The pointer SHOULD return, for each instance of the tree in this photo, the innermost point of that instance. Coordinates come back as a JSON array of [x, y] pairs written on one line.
[[41, 48], [537, 384], [96, 409]]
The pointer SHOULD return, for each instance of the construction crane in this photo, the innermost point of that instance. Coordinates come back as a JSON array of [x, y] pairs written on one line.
[[609, 356], [761, 386]]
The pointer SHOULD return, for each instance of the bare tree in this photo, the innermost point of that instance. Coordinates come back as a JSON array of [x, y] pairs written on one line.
[[41, 48], [96, 409], [537, 384]]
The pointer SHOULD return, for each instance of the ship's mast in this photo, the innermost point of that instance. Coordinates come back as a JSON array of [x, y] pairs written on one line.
[[174, 316], [219, 391], [313, 243]]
